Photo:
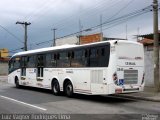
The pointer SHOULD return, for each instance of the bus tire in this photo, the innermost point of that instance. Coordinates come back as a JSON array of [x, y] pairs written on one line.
[[69, 89], [17, 82], [55, 88]]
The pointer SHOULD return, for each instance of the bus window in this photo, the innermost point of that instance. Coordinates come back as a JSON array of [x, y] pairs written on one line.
[[85, 57], [48, 60], [104, 56], [11, 66], [24, 61], [54, 60], [31, 62], [102, 51], [23, 65], [76, 60], [40, 61], [63, 60], [23, 71], [40, 65], [16, 63], [93, 58]]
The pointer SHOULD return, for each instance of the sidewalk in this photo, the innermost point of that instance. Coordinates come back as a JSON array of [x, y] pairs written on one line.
[[3, 78], [147, 96]]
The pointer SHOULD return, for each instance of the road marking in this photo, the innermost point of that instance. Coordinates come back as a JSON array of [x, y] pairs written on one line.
[[23, 103]]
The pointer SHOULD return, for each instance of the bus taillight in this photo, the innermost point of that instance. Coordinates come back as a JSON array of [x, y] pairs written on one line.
[[115, 78], [142, 79], [118, 90]]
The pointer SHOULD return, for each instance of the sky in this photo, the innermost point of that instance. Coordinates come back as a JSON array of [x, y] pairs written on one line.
[[67, 16]]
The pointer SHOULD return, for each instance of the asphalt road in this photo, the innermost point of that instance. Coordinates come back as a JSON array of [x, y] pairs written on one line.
[[34, 101]]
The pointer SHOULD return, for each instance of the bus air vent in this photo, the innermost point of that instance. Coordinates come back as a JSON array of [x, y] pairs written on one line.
[[130, 76], [97, 76]]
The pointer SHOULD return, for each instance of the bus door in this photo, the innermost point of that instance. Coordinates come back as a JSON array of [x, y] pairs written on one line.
[[40, 67], [23, 67]]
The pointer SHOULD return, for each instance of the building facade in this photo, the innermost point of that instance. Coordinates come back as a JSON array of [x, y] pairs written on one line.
[[147, 41], [4, 58]]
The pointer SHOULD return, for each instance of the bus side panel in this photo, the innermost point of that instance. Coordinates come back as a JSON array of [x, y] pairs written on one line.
[[11, 76], [111, 70], [30, 77], [80, 79]]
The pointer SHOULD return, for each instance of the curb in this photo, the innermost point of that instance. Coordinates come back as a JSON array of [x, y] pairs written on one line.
[[139, 98]]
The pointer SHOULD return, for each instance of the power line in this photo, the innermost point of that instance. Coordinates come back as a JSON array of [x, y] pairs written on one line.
[[88, 12], [113, 16], [85, 11], [112, 22], [37, 11], [19, 40], [93, 13], [32, 13], [41, 11], [120, 18], [122, 21], [12, 51]]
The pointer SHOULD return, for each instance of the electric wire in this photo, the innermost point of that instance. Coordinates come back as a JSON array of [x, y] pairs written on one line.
[[18, 39], [119, 19], [109, 23]]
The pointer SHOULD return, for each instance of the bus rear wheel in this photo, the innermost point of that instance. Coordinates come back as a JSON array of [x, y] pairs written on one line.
[[55, 88], [69, 89]]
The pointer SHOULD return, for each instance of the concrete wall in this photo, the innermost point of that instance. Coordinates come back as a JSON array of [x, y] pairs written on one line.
[[67, 40], [149, 68], [3, 68]]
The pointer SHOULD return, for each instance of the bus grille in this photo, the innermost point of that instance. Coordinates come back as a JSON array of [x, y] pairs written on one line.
[[130, 76]]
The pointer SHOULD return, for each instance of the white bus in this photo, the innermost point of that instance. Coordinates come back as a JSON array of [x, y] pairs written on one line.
[[100, 68]]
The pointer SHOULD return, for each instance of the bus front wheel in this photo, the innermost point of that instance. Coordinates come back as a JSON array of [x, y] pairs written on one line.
[[17, 83], [55, 88], [69, 89]]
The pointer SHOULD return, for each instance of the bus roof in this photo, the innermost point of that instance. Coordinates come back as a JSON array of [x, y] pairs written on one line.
[[68, 46]]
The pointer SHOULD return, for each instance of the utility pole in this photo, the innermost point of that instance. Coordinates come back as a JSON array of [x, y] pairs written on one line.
[[80, 30], [25, 24], [137, 33], [101, 29], [101, 23], [156, 46], [126, 32], [54, 36]]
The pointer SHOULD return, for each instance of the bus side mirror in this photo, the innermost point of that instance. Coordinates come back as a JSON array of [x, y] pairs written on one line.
[[115, 42]]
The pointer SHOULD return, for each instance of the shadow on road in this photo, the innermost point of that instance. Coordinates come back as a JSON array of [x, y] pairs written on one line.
[[103, 99], [93, 98]]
